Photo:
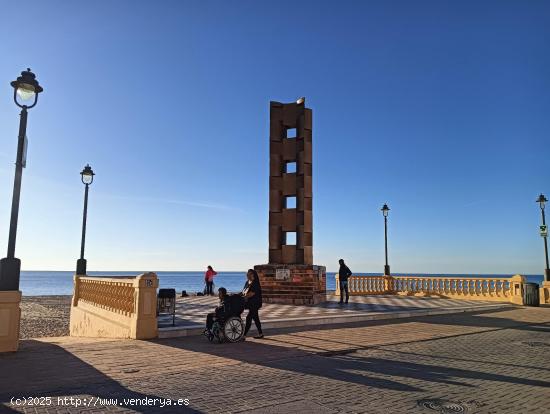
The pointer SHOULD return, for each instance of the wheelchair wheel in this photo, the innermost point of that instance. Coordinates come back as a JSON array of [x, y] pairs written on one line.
[[233, 329]]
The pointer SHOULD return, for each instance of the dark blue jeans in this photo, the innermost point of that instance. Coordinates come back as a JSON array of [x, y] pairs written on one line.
[[344, 287]]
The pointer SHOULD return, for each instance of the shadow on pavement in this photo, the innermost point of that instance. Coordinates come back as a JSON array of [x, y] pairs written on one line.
[[478, 320], [467, 360], [431, 373], [281, 352], [42, 369]]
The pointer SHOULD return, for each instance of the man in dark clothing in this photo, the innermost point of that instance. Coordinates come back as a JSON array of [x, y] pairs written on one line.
[[221, 312], [343, 274]]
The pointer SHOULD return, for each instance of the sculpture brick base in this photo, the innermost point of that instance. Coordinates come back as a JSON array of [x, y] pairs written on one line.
[[293, 284], [10, 316]]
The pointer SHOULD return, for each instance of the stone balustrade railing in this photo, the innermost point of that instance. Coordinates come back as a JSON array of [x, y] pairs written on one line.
[[115, 307], [489, 289], [115, 295], [369, 285]]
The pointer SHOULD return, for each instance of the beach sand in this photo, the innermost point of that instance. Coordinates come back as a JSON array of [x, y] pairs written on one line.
[[45, 316]]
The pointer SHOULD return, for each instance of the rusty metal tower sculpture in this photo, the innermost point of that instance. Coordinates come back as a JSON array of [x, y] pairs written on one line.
[[290, 276]]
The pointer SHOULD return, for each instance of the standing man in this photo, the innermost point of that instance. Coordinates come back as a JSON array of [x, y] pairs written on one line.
[[343, 274]]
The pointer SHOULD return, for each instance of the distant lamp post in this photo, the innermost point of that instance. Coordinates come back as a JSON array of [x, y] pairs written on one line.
[[25, 96], [385, 211], [544, 231], [87, 176]]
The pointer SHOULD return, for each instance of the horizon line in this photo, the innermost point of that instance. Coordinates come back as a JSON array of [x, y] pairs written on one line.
[[328, 271]]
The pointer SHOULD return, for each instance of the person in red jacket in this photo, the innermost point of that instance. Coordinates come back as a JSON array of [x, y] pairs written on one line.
[[209, 280]]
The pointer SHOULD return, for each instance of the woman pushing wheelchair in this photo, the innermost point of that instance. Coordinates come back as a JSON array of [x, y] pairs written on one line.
[[225, 323]]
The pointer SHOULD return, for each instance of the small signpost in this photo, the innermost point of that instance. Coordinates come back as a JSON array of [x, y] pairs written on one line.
[[543, 230]]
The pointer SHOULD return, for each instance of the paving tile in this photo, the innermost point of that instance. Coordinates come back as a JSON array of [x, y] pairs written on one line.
[[485, 362], [193, 309]]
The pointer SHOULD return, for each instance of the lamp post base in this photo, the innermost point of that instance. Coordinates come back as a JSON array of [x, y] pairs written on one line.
[[387, 270], [10, 269], [547, 275], [81, 267]]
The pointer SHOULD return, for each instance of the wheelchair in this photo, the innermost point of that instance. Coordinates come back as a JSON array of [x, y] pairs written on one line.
[[231, 327], [229, 330]]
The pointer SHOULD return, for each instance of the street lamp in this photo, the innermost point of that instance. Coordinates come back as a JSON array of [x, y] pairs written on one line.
[[385, 211], [25, 96], [542, 201], [87, 176]]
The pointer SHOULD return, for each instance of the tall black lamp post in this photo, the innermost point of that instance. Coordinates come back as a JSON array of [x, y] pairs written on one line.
[[385, 211], [542, 201], [87, 176], [25, 96]]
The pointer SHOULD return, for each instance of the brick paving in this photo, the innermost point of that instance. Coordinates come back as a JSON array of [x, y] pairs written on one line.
[[485, 362], [192, 310]]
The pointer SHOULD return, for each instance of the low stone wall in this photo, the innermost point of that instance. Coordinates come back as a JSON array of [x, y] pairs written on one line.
[[115, 307], [487, 289]]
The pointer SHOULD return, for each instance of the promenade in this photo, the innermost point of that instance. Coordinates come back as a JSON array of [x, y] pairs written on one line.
[[483, 362], [191, 311]]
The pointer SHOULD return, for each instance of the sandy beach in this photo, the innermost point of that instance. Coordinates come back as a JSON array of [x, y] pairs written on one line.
[[45, 316]]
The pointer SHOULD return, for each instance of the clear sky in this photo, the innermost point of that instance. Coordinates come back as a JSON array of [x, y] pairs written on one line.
[[439, 108]]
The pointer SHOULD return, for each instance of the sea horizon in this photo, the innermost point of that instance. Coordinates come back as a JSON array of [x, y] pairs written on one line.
[[60, 282]]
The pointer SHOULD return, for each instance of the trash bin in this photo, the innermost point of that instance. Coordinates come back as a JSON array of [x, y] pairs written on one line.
[[166, 303], [531, 294]]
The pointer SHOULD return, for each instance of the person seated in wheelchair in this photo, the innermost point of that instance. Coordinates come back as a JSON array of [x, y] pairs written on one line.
[[230, 309], [221, 312]]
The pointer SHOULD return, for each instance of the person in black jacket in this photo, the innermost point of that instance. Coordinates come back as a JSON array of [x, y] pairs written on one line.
[[344, 273], [252, 293], [221, 312]]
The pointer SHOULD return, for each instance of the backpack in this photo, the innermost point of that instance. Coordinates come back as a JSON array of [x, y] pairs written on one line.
[[235, 303]]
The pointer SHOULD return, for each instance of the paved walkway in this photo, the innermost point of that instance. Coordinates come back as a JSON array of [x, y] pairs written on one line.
[[487, 362], [192, 310]]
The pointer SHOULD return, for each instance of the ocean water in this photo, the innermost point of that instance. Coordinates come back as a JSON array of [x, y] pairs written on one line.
[[39, 283]]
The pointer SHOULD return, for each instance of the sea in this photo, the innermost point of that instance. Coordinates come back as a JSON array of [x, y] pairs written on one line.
[[41, 283]]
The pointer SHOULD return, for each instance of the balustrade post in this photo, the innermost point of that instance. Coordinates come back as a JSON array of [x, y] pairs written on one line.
[[516, 289], [389, 285], [145, 313], [337, 279], [76, 292], [544, 293]]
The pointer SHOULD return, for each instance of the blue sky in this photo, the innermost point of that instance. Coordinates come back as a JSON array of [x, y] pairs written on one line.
[[439, 108]]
